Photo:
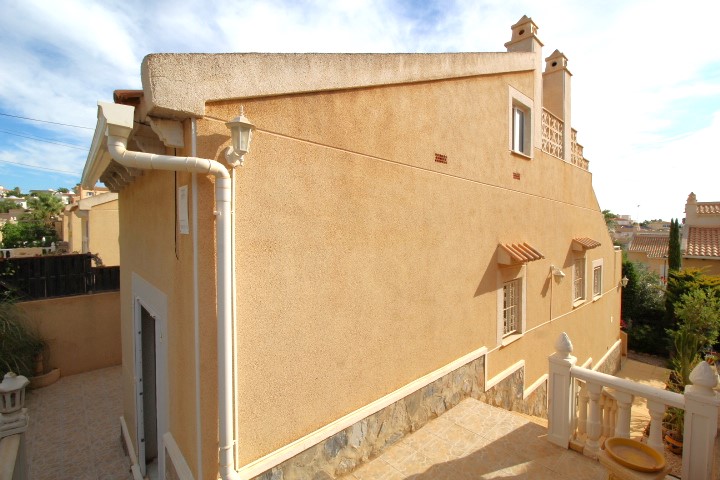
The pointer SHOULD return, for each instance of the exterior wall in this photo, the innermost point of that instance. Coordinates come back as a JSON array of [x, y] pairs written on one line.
[[153, 249], [103, 232], [74, 231], [363, 264], [82, 332], [657, 265], [710, 267]]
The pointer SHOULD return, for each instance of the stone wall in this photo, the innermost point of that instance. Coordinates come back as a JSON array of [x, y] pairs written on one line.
[[348, 449], [343, 452], [612, 363]]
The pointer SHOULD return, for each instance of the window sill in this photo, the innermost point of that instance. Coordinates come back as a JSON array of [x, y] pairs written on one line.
[[522, 155], [596, 298], [510, 339], [577, 303]]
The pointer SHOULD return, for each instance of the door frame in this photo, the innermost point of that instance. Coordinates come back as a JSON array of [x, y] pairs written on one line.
[[154, 301]]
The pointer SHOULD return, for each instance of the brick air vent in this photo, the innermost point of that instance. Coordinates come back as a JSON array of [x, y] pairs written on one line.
[[516, 175], [440, 158]]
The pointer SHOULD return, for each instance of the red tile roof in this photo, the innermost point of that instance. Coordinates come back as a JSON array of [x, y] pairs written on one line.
[[519, 253], [654, 246], [703, 242], [585, 242], [708, 208]]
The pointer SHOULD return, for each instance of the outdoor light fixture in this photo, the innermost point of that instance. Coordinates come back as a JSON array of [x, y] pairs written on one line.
[[240, 134], [13, 417], [557, 273], [624, 281]]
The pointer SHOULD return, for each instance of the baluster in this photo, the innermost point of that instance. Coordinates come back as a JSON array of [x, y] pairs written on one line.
[[582, 411], [607, 429], [657, 410], [613, 418], [624, 406], [592, 444]]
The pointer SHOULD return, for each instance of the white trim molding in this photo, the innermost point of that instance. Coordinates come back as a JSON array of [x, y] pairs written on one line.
[[178, 460]]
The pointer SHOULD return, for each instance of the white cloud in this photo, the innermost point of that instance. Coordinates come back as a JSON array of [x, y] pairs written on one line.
[[640, 67]]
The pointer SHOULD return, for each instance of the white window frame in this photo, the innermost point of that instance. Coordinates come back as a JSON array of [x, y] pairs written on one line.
[[577, 299], [597, 265], [506, 276], [520, 125]]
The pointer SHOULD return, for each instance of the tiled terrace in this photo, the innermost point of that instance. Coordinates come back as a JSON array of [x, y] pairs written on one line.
[[74, 430], [75, 434]]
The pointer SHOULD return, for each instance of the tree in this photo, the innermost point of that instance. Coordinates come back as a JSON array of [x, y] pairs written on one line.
[[27, 233], [609, 220], [642, 309], [674, 254], [15, 192], [44, 208], [6, 205], [699, 313], [63, 190], [683, 281]]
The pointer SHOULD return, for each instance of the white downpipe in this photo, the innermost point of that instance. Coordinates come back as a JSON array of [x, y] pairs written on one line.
[[117, 146], [196, 305]]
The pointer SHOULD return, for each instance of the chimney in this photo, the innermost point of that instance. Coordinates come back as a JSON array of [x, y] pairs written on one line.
[[556, 96], [524, 39]]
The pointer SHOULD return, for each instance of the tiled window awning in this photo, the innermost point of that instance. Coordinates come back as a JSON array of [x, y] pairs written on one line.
[[514, 253], [583, 243]]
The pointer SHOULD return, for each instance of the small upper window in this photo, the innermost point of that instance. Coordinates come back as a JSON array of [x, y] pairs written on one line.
[[520, 126], [520, 130]]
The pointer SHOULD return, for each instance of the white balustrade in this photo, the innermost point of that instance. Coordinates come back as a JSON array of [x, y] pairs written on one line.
[[602, 408]]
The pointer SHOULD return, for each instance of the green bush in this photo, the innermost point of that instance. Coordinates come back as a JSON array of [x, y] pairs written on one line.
[[19, 344]]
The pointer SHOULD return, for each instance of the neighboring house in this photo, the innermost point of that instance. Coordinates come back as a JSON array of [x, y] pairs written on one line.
[[91, 226], [408, 230], [701, 235], [651, 249]]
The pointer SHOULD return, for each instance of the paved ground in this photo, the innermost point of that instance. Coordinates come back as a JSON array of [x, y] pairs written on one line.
[[74, 430], [74, 433]]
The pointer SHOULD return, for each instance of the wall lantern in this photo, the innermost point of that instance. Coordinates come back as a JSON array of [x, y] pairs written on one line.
[[556, 272], [240, 134], [624, 281], [13, 417]]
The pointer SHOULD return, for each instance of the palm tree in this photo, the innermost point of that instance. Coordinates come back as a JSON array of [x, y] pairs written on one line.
[[44, 208]]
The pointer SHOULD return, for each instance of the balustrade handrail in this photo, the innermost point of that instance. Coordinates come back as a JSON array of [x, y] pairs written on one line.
[[671, 399]]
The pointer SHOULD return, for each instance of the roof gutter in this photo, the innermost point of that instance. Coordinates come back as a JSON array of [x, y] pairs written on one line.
[[117, 138]]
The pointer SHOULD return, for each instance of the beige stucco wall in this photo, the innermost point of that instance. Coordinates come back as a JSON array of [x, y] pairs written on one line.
[[657, 265], [74, 231], [103, 230], [151, 247], [82, 332], [710, 267], [363, 264]]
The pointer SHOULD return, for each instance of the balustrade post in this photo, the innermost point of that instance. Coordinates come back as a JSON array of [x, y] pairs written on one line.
[[594, 426], [624, 406], [607, 409], [701, 416], [561, 401], [655, 440]]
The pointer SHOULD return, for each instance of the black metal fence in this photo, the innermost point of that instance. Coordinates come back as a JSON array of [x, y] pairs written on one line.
[[31, 278]]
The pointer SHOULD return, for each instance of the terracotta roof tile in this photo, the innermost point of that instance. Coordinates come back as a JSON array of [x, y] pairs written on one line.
[[703, 242], [511, 253], [708, 208], [584, 243], [654, 246]]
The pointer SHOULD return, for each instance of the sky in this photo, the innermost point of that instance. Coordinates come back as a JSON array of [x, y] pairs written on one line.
[[645, 85]]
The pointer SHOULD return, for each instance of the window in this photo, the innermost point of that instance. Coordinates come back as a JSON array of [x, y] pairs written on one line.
[[579, 280], [521, 128], [512, 307], [597, 277]]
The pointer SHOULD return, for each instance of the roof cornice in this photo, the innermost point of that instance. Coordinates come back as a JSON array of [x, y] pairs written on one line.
[[179, 85]]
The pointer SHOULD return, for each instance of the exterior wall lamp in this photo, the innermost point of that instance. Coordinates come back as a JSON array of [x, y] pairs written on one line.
[[240, 134], [13, 415], [556, 272], [624, 281]]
